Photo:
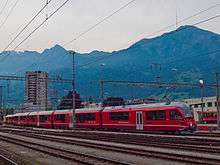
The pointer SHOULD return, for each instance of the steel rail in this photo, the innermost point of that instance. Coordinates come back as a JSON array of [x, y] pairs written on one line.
[[140, 152], [62, 153]]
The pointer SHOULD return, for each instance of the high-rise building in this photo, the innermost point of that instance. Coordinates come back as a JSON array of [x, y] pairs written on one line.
[[36, 88]]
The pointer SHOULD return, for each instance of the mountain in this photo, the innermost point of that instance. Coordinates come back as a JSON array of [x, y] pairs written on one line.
[[184, 55]]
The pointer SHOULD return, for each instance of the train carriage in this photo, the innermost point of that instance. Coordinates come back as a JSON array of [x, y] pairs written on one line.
[[146, 117], [33, 119], [156, 117], [62, 119], [118, 118], [46, 119], [14, 119], [88, 118], [8, 119], [23, 119], [209, 117]]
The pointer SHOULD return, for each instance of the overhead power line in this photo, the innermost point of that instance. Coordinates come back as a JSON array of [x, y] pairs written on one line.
[[41, 24], [184, 28], [25, 27], [98, 23], [10, 12], [181, 21], [35, 29], [3, 8], [89, 29]]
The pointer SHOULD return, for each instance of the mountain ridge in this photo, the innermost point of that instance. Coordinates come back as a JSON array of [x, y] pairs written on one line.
[[186, 49]]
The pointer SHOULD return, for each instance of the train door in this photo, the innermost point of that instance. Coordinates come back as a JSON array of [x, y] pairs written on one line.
[[139, 121]]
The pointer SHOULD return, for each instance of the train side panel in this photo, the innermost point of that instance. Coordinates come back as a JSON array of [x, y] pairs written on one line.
[[119, 119], [46, 119], [61, 119], [88, 119]]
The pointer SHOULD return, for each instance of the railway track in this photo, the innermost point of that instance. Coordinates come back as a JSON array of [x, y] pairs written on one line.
[[208, 134], [131, 138], [6, 161], [5, 158], [197, 134], [189, 147], [141, 152], [74, 156]]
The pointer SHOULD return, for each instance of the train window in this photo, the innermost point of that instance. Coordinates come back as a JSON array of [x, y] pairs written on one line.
[[85, 117], [175, 115], [32, 118], [60, 117], [119, 115], [156, 115], [209, 104], [43, 117]]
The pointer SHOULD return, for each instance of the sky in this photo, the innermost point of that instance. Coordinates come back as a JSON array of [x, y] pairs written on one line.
[[137, 21]]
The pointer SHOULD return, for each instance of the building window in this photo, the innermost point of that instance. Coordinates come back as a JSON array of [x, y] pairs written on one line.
[[119, 115], [175, 115], [209, 104], [156, 115]]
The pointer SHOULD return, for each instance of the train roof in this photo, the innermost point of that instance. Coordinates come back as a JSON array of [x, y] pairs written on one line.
[[98, 108], [176, 104], [45, 112], [34, 113], [62, 111]]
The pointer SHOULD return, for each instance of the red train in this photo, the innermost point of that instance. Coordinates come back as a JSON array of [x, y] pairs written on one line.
[[209, 117], [147, 117]]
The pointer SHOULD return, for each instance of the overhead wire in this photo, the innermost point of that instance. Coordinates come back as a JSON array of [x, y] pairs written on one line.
[[3, 8], [25, 27], [101, 21], [8, 15], [183, 20], [176, 31], [93, 26], [39, 26], [105, 18]]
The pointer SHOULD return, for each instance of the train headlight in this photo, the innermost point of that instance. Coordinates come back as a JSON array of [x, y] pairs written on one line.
[[191, 125]]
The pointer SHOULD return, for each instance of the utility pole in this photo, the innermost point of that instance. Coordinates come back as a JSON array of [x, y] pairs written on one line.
[[73, 88], [201, 83], [217, 101], [1, 101], [102, 90], [101, 82]]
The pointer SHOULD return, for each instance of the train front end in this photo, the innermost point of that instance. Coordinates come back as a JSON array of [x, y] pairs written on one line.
[[189, 120]]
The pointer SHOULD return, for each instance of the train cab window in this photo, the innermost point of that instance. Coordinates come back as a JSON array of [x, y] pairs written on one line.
[[85, 117], [175, 115], [118, 115], [60, 117], [43, 117], [156, 115]]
